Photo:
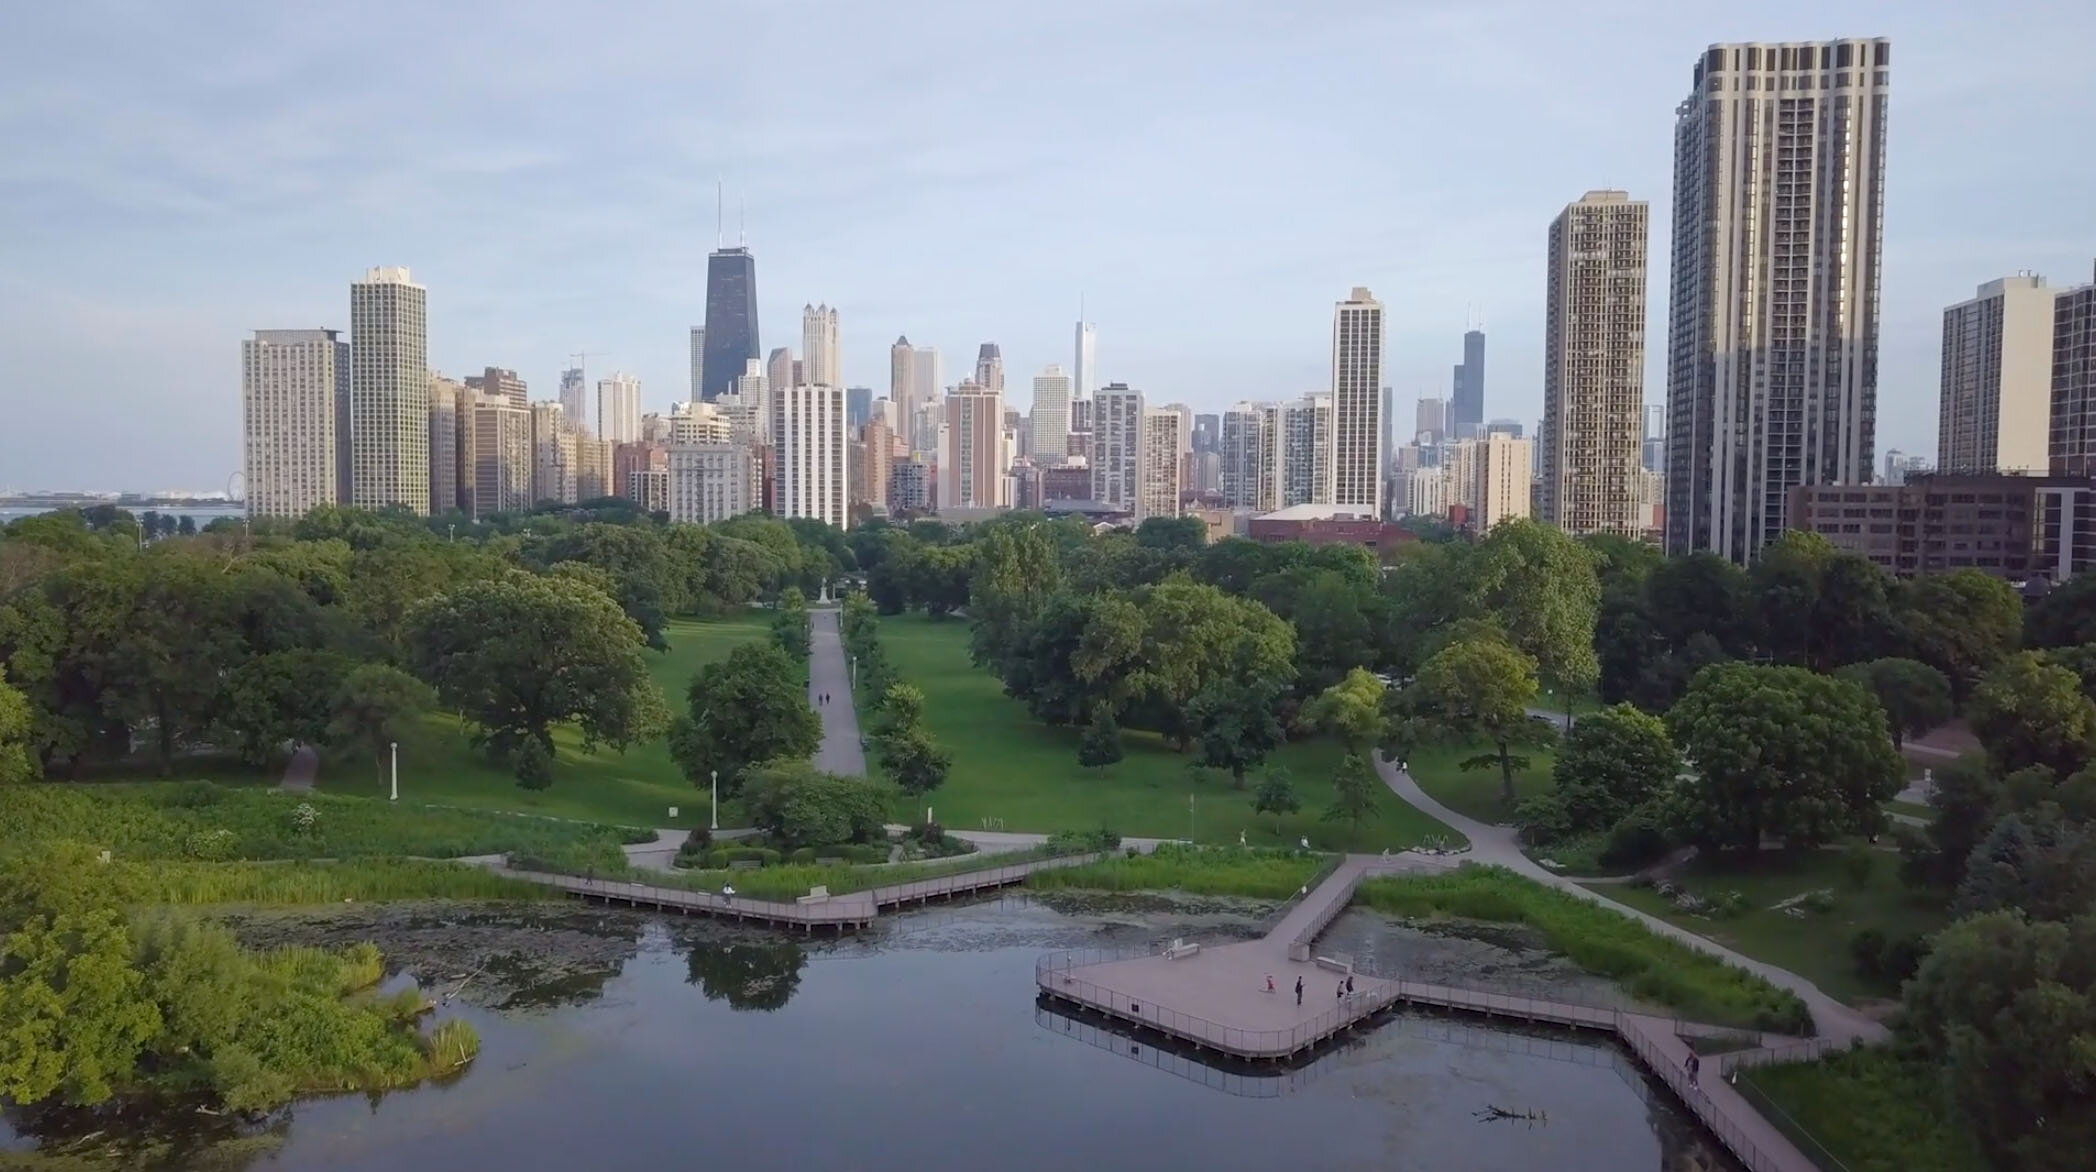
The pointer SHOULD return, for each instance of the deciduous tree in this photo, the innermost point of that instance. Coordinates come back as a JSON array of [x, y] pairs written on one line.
[[1353, 792], [1276, 795], [1234, 724], [2027, 712], [1915, 696], [375, 706], [1961, 623], [1475, 689], [1611, 762], [745, 709]]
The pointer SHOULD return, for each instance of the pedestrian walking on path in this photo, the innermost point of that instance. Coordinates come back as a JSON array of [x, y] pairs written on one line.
[[1693, 1065], [1339, 994], [1299, 990], [1350, 982], [1269, 982]]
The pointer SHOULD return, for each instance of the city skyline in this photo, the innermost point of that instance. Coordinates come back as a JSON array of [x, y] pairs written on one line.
[[128, 335]]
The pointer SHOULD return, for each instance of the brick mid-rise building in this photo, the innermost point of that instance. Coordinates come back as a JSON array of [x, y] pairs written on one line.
[[2013, 527]]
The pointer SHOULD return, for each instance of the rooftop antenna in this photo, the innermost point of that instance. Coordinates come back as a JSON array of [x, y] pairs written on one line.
[[720, 204], [742, 221]]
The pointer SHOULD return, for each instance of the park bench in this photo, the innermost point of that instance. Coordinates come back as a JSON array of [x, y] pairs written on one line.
[[1180, 950], [1337, 964], [745, 864], [820, 893]]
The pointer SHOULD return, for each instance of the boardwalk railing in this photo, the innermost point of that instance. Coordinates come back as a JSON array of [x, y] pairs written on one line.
[[917, 891]]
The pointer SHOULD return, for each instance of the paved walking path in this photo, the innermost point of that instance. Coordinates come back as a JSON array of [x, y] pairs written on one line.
[[829, 672], [1497, 845]]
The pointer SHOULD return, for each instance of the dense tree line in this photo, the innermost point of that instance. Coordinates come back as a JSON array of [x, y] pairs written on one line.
[[338, 630]]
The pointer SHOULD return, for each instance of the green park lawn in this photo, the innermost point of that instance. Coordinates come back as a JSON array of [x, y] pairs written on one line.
[[1815, 946], [634, 788], [1012, 772], [1476, 792]]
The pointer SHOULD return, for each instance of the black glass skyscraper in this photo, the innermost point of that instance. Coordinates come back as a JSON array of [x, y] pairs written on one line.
[[1466, 406], [731, 318]]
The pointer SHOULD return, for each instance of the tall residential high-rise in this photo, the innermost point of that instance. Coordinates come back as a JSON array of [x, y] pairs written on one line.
[[971, 468], [1995, 410], [1594, 366], [1086, 372], [821, 359], [1390, 438], [1772, 347], [1117, 434], [2074, 382], [502, 384], [618, 408], [294, 391], [1466, 402], [389, 391], [1243, 448], [447, 398], [1162, 447], [809, 467], [779, 368], [1355, 477], [574, 399], [1430, 420], [731, 318], [989, 367], [1655, 443], [500, 459], [928, 385], [1505, 468], [1050, 420], [858, 406], [698, 363], [711, 482], [902, 377], [553, 454]]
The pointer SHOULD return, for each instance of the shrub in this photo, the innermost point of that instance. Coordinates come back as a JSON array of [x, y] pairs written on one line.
[[1867, 949], [1902, 957], [1655, 968], [1637, 838], [1544, 818], [215, 845], [1731, 904], [1819, 902], [801, 855], [698, 838], [1857, 862]]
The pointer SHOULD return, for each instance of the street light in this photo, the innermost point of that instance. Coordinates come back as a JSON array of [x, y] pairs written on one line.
[[395, 796], [716, 800]]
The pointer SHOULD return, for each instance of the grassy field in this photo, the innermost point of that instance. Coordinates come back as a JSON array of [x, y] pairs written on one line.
[[1020, 774], [1653, 968], [635, 788], [1210, 870], [1475, 792], [1815, 946], [1868, 1108]]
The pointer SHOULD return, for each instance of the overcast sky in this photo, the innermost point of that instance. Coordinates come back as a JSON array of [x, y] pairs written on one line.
[[1209, 176]]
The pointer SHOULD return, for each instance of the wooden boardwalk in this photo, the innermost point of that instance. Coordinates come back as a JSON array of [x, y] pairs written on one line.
[[840, 913], [1242, 1000]]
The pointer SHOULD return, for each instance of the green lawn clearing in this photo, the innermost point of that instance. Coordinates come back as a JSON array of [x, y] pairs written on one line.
[[1476, 792], [1012, 772], [1814, 945], [1866, 1110]]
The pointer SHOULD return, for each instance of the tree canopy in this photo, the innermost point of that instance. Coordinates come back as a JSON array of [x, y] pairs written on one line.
[[743, 710]]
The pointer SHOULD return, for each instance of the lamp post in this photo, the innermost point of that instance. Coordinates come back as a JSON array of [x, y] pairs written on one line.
[[395, 796], [715, 821]]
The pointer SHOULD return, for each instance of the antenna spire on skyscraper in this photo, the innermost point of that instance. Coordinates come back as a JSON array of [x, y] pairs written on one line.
[[742, 222], [720, 212]]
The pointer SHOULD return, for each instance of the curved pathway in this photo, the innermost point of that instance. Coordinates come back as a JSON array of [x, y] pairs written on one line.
[[1497, 845], [829, 671]]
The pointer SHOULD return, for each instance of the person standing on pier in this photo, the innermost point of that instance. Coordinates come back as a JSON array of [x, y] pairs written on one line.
[[1693, 1066], [1299, 991]]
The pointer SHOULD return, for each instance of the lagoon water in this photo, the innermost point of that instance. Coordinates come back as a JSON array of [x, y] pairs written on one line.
[[922, 1047]]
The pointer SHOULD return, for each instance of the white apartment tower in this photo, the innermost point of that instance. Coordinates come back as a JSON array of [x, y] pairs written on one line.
[[448, 398], [1772, 347], [294, 394], [1243, 444], [618, 408], [1050, 420], [927, 387], [1162, 444], [1117, 434], [711, 482], [1086, 373], [822, 363], [902, 376], [810, 469], [1996, 405], [1505, 469], [1594, 366], [389, 391], [1353, 476]]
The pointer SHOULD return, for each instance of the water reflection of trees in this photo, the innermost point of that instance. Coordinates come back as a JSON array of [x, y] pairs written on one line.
[[747, 975]]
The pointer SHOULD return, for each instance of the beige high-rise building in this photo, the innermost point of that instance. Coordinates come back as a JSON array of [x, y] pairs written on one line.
[[389, 391], [880, 444], [973, 473], [294, 394], [1995, 412], [618, 408], [810, 469], [925, 404], [1353, 478], [1462, 461], [1594, 366], [821, 361], [1050, 417], [553, 455], [593, 467], [702, 423], [1117, 436], [778, 368], [503, 384], [500, 455], [1160, 468], [446, 397], [902, 377], [1772, 344], [711, 482], [1505, 470]]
